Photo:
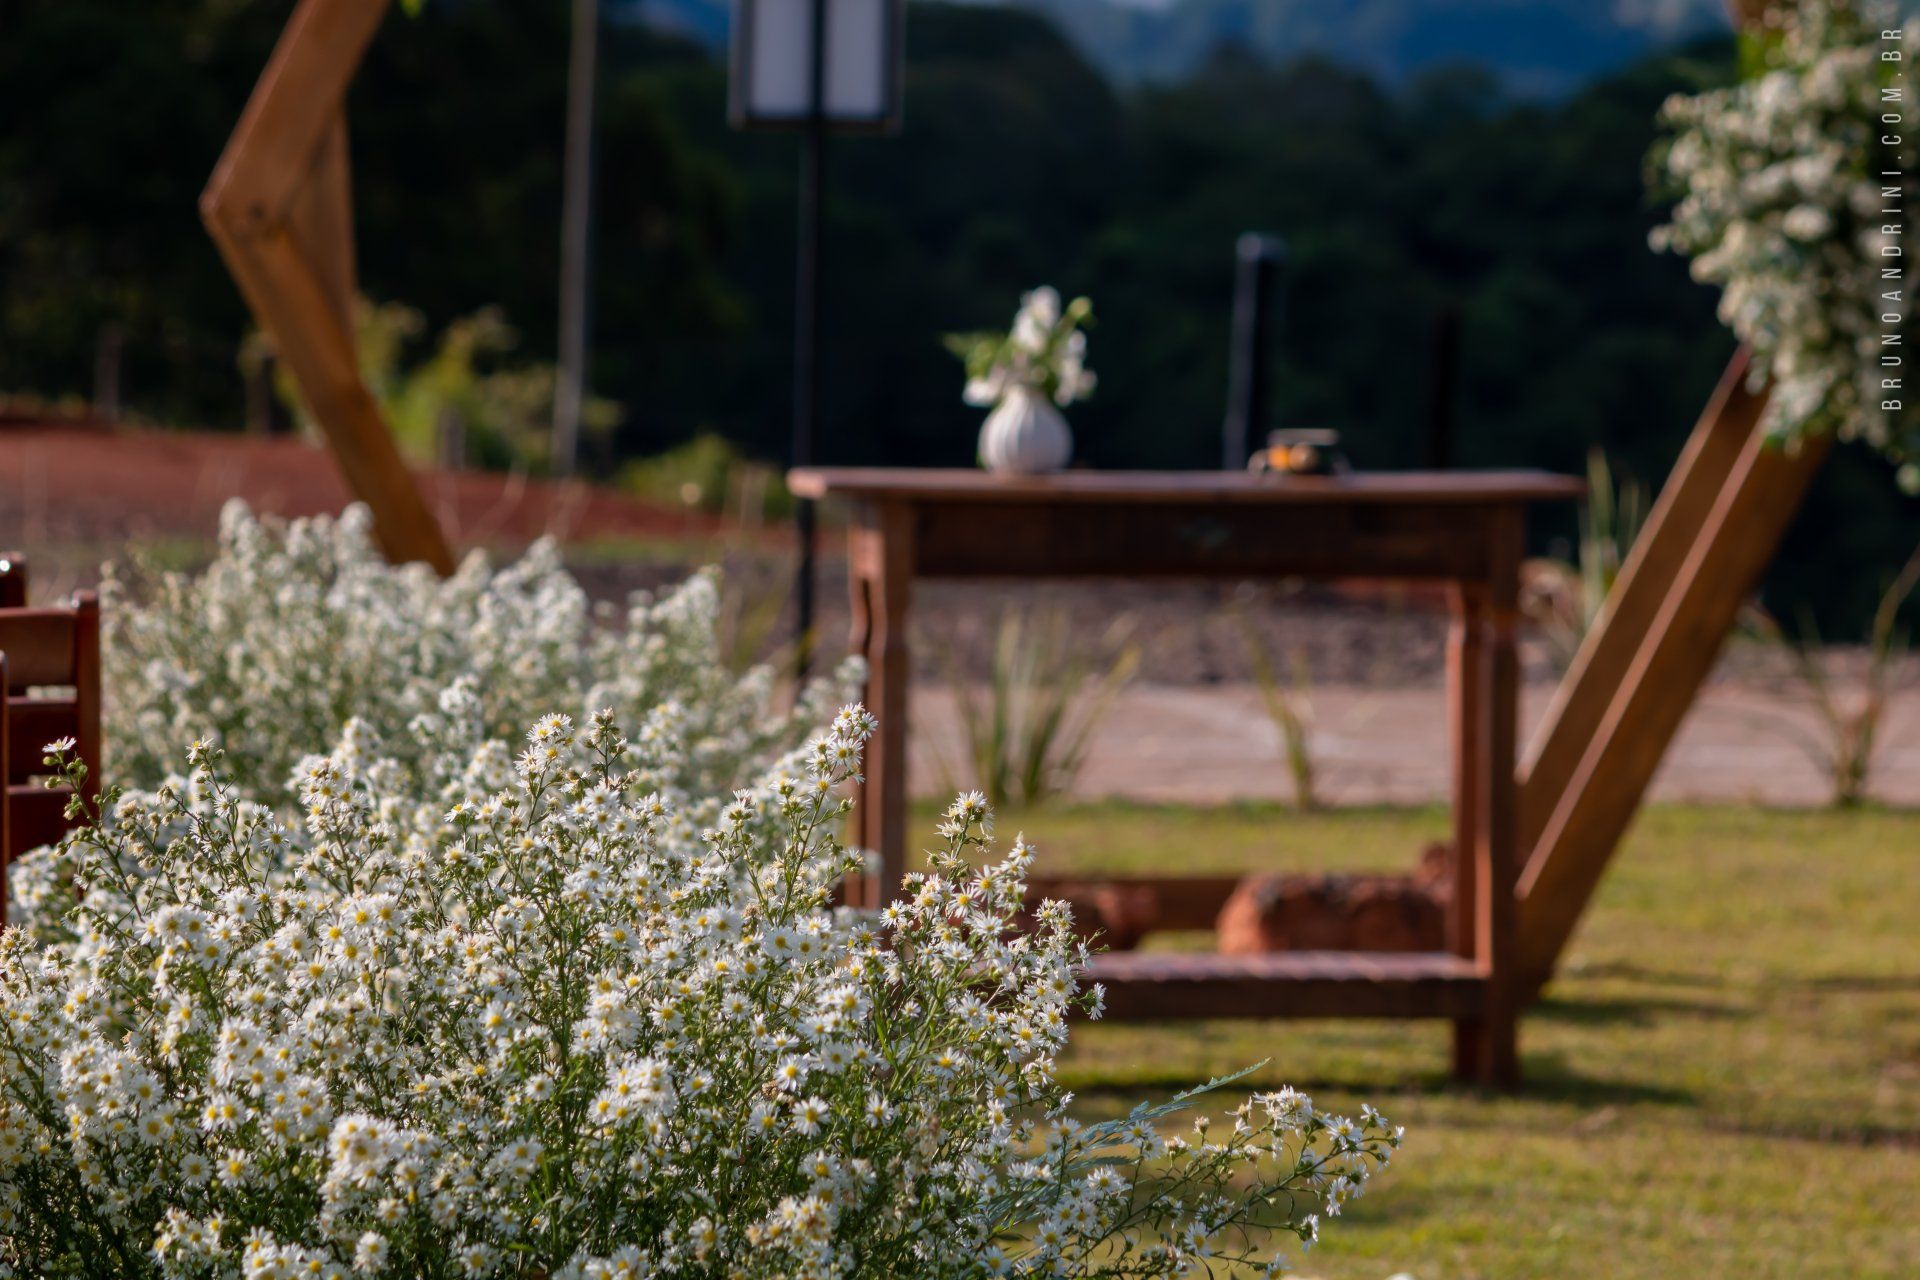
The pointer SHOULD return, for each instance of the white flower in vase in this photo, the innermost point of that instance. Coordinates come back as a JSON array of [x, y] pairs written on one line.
[[1022, 375]]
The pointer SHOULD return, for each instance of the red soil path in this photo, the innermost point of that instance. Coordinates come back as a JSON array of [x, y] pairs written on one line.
[[85, 482]]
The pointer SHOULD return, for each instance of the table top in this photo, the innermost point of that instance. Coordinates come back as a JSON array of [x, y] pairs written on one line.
[[1383, 488]]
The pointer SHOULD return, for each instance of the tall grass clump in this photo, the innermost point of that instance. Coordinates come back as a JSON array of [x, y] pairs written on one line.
[[1025, 730], [1849, 716], [1564, 598]]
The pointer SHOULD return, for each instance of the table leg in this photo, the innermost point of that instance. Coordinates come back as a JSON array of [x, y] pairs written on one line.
[[1486, 1049], [1499, 861], [880, 555], [1466, 699]]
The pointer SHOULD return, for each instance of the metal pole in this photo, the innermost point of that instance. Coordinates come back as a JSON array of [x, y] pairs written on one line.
[[1443, 379], [806, 330], [576, 225], [1258, 259]]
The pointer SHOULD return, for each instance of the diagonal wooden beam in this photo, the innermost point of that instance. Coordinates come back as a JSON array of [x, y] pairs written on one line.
[[279, 207], [1717, 570], [1645, 583], [292, 111], [321, 218], [1716, 526]]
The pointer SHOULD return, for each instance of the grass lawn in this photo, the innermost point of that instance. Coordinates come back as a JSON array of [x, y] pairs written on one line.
[[1723, 1081]]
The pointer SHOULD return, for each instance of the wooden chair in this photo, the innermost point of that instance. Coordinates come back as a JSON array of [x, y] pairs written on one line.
[[13, 580], [50, 678]]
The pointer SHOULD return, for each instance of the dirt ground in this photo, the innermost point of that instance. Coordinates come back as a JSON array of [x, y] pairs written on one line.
[[1193, 727], [1741, 743], [82, 483]]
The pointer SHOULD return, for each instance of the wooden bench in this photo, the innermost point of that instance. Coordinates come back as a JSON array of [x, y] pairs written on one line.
[[50, 675]]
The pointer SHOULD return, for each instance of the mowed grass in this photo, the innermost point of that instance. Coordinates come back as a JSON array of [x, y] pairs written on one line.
[[1724, 1080]]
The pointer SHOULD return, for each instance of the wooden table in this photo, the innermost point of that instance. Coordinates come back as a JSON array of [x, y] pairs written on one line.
[[1464, 529]]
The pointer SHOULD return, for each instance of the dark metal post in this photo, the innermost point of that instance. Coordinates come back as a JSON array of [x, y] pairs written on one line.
[[1443, 379], [806, 329], [576, 240], [1258, 259]]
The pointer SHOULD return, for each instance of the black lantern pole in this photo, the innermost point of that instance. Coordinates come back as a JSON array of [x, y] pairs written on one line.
[[1258, 259], [811, 229], [781, 78]]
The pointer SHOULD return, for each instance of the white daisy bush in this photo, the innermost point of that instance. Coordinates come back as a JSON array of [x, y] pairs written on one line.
[[1786, 190], [469, 1014], [297, 627]]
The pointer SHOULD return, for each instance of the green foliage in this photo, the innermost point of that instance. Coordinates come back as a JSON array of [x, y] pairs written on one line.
[[500, 414], [712, 474]]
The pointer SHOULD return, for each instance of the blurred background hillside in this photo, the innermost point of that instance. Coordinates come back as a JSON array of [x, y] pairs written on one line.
[[1483, 157]]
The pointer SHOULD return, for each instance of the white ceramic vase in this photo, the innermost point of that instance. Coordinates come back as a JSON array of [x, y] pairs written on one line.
[[1025, 435]]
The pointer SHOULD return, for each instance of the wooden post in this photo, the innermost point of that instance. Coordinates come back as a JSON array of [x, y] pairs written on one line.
[[1466, 695], [279, 208], [880, 556], [6, 783], [1484, 695], [86, 692], [1496, 856]]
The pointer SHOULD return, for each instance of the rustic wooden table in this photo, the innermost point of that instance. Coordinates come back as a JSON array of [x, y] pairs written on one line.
[[1466, 529]]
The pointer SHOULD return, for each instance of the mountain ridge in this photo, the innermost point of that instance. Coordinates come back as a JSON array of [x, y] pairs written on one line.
[[1532, 48]]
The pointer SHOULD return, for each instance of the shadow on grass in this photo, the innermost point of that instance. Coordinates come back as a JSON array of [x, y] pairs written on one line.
[[1629, 1011], [1546, 1078], [1625, 971], [1848, 983], [1864, 1136]]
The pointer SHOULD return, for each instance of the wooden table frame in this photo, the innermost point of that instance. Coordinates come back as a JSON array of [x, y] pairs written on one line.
[[1464, 529]]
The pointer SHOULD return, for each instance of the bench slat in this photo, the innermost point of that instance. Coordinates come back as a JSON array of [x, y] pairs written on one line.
[[31, 724], [40, 646], [38, 815], [1289, 984]]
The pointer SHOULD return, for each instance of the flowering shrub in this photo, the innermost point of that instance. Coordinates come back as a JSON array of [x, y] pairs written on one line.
[[1786, 183], [1045, 351], [298, 627], [522, 1023]]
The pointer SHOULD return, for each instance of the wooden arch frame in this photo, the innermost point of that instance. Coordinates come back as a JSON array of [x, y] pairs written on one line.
[[278, 206]]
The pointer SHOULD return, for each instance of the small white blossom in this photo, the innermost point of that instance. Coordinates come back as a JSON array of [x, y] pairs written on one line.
[[1785, 187]]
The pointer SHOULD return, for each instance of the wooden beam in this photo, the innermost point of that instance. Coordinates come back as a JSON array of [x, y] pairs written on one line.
[[1712, 533], [279, 206], [293, 304], [321, 218], [1646, 580], [1735, 542], [292, 112]]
